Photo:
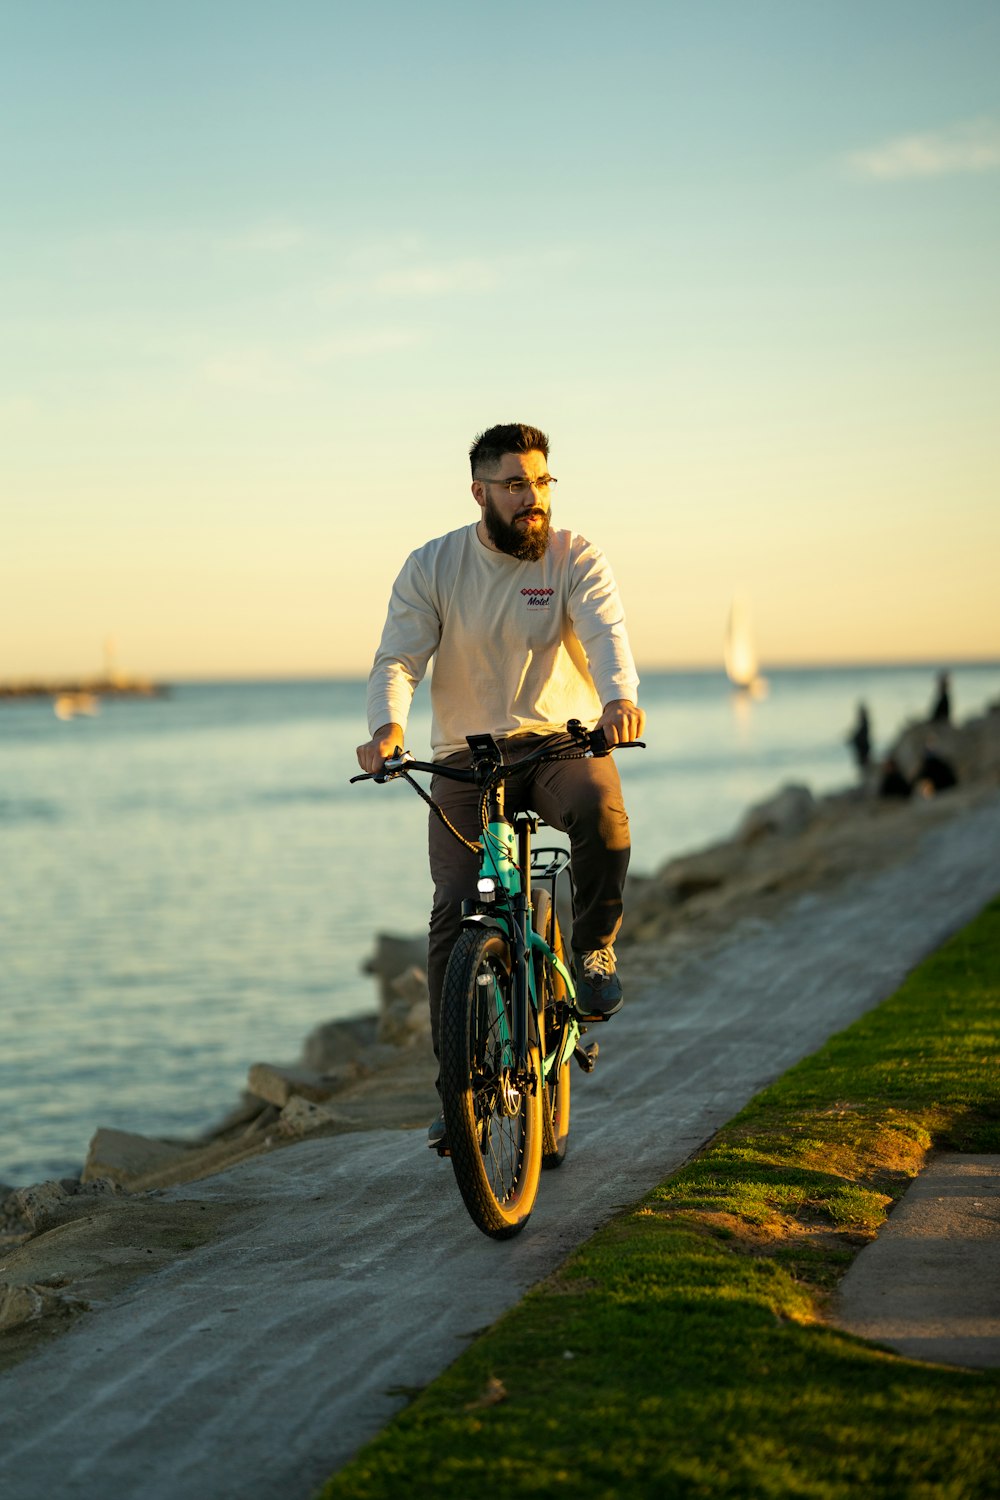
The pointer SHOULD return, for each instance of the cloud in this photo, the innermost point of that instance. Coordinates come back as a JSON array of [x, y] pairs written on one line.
[[361, 343], [258, 371], [253, 371], [269, 238], [973, 146], [438, 280], [416, 277], [385, 248]]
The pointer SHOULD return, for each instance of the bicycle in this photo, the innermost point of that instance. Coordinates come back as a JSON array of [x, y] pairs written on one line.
[[509, 1023]]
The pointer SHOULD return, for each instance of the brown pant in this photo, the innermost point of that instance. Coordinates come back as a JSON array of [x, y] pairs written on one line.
[[582, 798]]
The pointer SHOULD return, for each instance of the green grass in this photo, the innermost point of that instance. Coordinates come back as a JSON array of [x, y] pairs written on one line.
[[682, 1351]]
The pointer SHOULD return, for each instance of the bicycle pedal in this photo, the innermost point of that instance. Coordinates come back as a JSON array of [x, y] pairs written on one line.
[[587, 1056]]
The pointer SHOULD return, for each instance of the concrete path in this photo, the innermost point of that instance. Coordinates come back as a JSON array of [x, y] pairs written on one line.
[[258, 1364], [929, 1286]]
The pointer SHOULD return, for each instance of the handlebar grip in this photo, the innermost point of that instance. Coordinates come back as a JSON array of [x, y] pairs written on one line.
[[381, 776], [599, 746]]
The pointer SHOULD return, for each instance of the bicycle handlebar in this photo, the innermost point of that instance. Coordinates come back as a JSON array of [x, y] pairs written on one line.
[[583, 742]]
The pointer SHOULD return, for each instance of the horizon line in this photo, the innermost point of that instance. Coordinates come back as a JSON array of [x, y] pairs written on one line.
[[648, 669], [932, 664]]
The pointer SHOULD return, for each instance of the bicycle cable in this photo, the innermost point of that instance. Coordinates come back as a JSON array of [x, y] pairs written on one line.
[[439, 812], [476, 848], [495, 779]]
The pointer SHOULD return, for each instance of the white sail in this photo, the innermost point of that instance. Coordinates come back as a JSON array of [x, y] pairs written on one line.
[[740, 653]]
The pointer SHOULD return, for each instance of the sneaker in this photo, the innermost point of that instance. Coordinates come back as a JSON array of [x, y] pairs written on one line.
[[599, 990], [437, 1138]]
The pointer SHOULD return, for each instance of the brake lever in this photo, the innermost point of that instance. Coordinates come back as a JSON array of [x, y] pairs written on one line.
[[595, 740], [393, 765], [599, 745]]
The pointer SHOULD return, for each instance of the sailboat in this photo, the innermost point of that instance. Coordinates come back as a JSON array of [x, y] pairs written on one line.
[[69, 705], [740, 652]]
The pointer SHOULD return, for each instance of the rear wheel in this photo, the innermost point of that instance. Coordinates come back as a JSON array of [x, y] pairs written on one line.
[[492, 1108], [553, 1019]]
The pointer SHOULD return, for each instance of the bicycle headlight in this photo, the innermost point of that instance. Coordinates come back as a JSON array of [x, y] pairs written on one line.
[[487, 888]]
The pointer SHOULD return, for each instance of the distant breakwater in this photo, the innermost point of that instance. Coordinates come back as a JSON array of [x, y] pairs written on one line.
[[95, 687]]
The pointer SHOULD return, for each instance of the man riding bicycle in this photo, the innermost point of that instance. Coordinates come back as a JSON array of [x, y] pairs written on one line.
[[527, 631]]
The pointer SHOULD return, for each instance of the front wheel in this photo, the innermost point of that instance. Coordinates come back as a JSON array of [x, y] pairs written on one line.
[[492, 1107]]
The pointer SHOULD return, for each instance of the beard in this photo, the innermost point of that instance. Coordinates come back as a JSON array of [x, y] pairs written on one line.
[[528, 545]]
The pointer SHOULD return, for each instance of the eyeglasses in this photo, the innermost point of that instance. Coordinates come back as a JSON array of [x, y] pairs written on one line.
[[518, 486]]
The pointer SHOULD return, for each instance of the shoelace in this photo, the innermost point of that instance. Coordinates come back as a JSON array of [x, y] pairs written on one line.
[[600, 964]]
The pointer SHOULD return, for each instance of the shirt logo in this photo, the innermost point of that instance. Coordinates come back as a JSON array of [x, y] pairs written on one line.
[[541, 598]]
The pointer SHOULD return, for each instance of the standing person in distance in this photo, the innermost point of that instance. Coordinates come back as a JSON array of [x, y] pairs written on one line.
[[527, 631], [941, 711]]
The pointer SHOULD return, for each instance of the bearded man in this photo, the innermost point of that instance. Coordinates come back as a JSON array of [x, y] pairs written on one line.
[[526, 629]]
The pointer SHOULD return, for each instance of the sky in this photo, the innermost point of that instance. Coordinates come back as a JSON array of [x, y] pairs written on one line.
[[267, 269]]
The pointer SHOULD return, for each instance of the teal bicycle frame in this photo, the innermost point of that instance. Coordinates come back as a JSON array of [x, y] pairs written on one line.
[[504, 901], [509, 1005], [506, 866]]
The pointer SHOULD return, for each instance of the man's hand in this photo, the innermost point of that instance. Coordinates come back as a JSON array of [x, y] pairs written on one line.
[[622, 721], [373, 755]]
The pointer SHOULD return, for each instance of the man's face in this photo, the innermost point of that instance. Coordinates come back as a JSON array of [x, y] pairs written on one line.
[[516, 523]]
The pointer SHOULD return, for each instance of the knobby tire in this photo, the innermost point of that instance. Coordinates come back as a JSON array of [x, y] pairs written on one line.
[[493, 1119]]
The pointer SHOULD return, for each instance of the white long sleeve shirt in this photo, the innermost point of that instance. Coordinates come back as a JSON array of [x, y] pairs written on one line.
[[517, 646]]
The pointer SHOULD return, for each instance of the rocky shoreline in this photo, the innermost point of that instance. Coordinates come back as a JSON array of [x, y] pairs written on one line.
[[72, 1244]]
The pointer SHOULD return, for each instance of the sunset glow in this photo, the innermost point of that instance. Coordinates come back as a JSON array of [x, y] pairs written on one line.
[[265, 272]]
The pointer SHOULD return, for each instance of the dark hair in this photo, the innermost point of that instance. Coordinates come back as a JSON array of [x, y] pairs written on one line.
[[510, 437]]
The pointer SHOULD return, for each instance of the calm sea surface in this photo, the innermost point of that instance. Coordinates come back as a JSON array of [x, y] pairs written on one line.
[[189, 884]]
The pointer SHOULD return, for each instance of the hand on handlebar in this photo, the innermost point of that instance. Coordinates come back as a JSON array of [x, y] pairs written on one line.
[[383, 743], [622, 722]]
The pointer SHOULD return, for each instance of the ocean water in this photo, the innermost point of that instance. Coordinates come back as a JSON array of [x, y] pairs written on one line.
[[189, 884]]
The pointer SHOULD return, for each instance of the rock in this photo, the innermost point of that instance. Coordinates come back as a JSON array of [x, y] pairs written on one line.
[[236, 1122], [694, 881], [49, 1203], [278, 1085], [18, 1305], [29, 1304], [120, 1155], [393, 956], [39, 1206], [787, 812], [406, 1016], [972, 748], [908, 750], [13, 1224], [410, 986], [693, 874], [979, 752], [300, 1116], [336, 1043]]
